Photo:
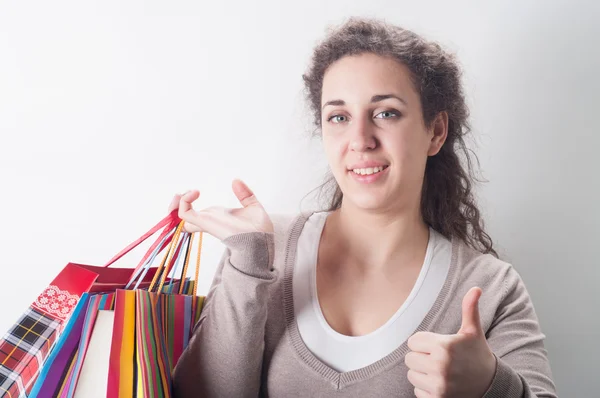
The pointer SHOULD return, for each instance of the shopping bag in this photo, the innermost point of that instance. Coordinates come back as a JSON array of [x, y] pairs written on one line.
[[62, 354], [85, 373], [89, 378], [64, 363], [90, 372], [28, 343], [26, 346], [152, 328]]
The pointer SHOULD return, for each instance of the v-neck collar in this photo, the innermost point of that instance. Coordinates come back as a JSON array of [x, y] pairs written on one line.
[[342, 379]]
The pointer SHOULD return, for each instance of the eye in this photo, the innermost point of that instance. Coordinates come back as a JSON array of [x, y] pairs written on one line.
[[388, 112], [334, 116]]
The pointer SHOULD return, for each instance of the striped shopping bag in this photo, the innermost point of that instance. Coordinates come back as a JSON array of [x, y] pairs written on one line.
[[152, 328]]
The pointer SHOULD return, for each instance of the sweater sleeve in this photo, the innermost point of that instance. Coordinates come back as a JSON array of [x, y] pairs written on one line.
[[515, 337], [224, 356]]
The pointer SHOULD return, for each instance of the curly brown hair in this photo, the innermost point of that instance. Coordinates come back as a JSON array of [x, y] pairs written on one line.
[[448, 204]]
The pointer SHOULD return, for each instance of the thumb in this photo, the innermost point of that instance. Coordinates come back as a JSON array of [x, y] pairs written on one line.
[[471, 323], [243, 193]]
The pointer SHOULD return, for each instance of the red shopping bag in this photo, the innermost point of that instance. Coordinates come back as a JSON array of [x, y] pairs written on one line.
[[25, 347]]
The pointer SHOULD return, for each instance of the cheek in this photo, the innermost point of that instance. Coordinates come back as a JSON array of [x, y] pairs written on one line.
[[410, 157], [413, 146], [403, 149], [332, 148]]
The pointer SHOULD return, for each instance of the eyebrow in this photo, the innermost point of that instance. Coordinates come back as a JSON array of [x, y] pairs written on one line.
[[375, 98]]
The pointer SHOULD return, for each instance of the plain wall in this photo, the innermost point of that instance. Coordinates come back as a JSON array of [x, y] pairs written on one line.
[[107, 109]]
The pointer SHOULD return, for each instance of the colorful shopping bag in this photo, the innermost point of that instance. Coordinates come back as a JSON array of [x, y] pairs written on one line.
[[26, 346], [78, 367], [90, 375], [152, 328], [64, 362]]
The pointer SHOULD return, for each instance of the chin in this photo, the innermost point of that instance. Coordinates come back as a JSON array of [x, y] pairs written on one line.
[[367, 202]]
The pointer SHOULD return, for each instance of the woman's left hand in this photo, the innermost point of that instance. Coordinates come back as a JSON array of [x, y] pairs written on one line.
[[457, 365]]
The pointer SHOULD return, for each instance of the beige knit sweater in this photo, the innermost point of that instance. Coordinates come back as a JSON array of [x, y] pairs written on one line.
[[247, 344]]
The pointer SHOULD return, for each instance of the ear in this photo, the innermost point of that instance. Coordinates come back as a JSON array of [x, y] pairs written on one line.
[[440, 133]]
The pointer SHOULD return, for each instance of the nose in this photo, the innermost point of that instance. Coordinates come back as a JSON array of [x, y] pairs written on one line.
[[362, 135]]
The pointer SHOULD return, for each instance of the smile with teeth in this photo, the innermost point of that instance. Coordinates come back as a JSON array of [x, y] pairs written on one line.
[[369, 170]]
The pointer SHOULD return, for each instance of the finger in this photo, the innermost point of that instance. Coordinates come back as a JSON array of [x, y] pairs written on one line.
[[174, 202], [419, 380], [471, 323], [424, 342], [186, 211], [243, 193], [186, 200], [419, 362]]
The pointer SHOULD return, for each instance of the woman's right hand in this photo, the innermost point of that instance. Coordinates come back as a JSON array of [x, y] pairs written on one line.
[[221, 222]]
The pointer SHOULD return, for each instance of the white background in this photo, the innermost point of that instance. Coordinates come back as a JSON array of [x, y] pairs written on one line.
[[107, 109]]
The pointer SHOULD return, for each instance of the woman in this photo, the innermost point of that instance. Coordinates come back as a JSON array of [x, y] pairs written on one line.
[[396, 289]]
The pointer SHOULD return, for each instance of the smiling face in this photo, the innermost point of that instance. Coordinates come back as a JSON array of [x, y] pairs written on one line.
[[371, 116]]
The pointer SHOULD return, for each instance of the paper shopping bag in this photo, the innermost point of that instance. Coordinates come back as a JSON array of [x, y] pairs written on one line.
[[26, 346], [62, 355], [62, 369], [151, 330], [163, 327], [79, 367]]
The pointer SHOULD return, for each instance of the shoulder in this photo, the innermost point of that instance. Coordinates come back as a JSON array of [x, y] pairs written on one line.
[[500, 282], [485, 269]]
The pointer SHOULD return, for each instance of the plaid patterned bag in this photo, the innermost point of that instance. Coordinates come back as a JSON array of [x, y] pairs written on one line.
[[27, 344]]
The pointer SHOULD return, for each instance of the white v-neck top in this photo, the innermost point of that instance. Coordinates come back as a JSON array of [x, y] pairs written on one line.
[[346, 353]]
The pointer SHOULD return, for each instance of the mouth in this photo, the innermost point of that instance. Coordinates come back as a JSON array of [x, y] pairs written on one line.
[[368, 170], [371, 176]]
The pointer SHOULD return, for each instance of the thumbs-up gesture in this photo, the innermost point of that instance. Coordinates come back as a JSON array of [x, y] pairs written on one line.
[[457, 365]]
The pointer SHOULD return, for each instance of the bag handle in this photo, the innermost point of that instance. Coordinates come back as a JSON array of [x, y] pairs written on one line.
[[197, 264], [162, 271], [187, 259], [142, 268], [168, 221], [190, 241], [164, 238], [178, 268], [168, 259], [139, 273]]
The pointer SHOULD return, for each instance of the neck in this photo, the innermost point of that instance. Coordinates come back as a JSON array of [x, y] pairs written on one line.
[[375, 240]]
